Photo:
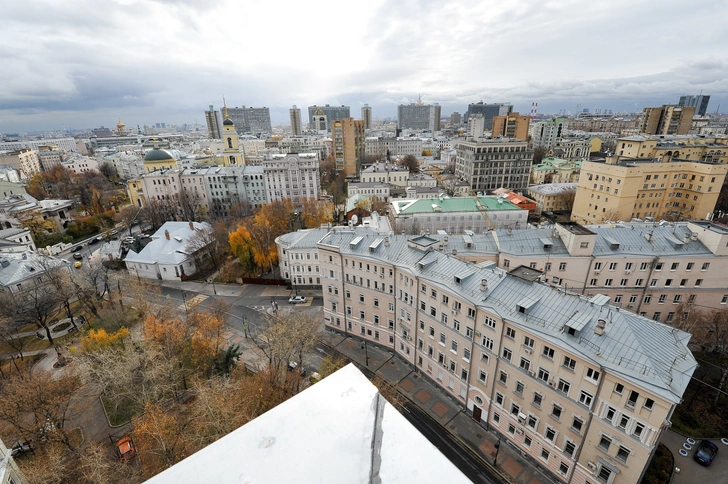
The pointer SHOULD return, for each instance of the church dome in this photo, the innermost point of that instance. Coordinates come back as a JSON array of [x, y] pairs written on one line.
[[227, 122], [158, 155], [319, 112]]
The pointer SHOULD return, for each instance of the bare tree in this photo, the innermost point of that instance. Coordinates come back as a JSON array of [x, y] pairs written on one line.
[[411, 163], [203, 245], [36, 304], [128, 216]]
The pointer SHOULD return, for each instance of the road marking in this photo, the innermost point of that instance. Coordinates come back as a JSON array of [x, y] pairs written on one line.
[[191, 303]]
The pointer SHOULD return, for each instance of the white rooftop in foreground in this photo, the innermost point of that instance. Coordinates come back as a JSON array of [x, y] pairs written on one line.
[[340, 430]]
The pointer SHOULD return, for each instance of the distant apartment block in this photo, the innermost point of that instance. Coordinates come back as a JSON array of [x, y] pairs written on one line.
[[545, 133], [24, 160], [213, 119], [378, 146], [332, 113], [493, 163], [476, 126], [488, 111], [419, 116], [667, 119], [366, 116], [296, 126], [347, 145], [250, 120], [455, 118], [646, 188], [699, 102], [553, 197]]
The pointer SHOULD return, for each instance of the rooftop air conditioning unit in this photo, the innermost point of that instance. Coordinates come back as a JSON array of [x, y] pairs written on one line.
[[532, 373]]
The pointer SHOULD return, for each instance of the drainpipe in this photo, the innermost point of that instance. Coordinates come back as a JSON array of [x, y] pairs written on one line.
[[588, 423], [647, 282], [588, 273]]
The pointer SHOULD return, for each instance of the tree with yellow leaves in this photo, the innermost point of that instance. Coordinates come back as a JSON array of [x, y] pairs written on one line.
[[96, 340], [314, 212], [159, 438]]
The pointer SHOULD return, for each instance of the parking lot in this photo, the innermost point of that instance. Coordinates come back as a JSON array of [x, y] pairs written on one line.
[[690, 471]]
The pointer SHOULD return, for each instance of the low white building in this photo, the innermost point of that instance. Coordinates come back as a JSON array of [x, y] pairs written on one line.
[[169, 255]]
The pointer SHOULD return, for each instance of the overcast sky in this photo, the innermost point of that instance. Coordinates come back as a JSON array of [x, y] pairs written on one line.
[[86, 63]]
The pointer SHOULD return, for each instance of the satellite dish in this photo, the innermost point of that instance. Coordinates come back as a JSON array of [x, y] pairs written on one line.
[[354, 219]]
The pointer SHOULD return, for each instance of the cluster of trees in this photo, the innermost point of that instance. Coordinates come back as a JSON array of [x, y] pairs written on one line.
[[253, 242]]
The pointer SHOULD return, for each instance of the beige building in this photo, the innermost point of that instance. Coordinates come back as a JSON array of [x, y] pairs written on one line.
[[489, 164], [667, 119], [572, 148], [552, 197], [647, 189], [667, 148], [581, 389], [347, 136], [512, 125], [25, 160]]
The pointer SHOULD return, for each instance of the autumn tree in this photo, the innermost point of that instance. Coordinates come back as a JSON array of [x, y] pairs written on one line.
[[159, 438], [314, 212], [241, 245], [411, 163], [203, 245], [98, 339], [38, 406], [128, 216], [379, 205]]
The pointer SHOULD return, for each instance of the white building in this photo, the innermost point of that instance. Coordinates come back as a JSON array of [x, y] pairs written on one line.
[[294, 176], [169, 255], [80, 164]]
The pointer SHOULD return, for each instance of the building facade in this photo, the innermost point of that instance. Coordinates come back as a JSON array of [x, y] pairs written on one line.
[[418, 116], [645, 188], [667, 119], [366, 116], [378, 146], [699, 102], [294, 176], [26, 161], [512, 125], [555, 170], [553, 197], [250, 120], [214, 123], [680, 147], [488, 164], [545, 133], [296, 126], [581, 389], [488, 111], [347, 137]]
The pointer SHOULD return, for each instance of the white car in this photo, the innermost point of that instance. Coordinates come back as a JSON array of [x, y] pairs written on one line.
[[297, 300]]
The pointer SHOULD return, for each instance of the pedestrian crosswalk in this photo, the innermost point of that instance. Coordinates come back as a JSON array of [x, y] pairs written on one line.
[[192, 302]]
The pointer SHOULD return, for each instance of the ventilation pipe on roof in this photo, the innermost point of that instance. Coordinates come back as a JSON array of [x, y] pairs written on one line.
[[192, 225], [166, 234]]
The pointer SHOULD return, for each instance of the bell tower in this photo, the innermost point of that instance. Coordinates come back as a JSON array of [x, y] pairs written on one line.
[[231, 150]]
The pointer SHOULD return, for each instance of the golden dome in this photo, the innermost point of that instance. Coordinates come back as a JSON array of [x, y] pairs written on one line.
[[120, 124], [318, 112]]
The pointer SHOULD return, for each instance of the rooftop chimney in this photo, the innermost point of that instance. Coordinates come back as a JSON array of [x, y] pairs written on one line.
[[166, 234], [192, 225]]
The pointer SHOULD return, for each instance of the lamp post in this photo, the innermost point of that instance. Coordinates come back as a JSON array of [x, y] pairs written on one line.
[[184, 298], [497, 448], [137, 271], [366, 352], [213, 286]]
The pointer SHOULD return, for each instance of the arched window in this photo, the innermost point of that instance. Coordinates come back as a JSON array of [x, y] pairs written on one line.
[[230, 142]]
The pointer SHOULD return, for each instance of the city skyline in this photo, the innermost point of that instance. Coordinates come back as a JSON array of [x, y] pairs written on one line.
[[153, 61]]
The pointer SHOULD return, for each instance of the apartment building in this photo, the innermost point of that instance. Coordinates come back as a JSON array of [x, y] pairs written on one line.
[[25, 161], [213, 119], [583, 389], [678, 147], [667, 119], [296, 126], [366, 116], [488, 164], [250, 120], [419, 116], [347, 136], [330, 113], [378, 146], [298, 257], [488, 111], [294, 176], [572, 148], [545, 133], [389, 173], [512, 125], [623, 189]]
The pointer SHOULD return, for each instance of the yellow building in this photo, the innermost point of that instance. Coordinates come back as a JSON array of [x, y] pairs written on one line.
[[512, 125], [232, 156], [158, 159], [595, 144], [347, 136], [622, 189], [136, 193], [666, 148]]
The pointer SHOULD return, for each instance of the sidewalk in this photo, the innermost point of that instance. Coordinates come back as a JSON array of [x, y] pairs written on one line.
[[441, 408]]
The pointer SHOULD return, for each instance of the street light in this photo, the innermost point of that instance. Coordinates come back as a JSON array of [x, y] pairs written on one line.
[[497, 448], [366, 351], [213, 286]]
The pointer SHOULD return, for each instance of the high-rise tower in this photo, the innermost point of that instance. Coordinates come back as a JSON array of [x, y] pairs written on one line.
[[366, 116], [295, 120]]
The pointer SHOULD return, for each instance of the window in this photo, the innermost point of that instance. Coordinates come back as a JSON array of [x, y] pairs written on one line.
[[443, 339], [471, 313], [649, 403], [658, 266], [662, 299], [519, 388], [585, 398], [643, 266], [577, 425], [456, 325], [724, 299], [592, 374], [705, 266], [543, 374], [638, 429], [604, 443], [454, 346], [511, 429], [532, 422], [676, 299], [488, 342], [604, 474], [527, 441], [623, 454], [537, 399], [548, 352], [482, 376], [647, 299], [445, 299], [525, 364], [503, 377], [632, 400], [611, 411], [563, 469], [674, 266], [499, 398], [562, 266], [563, 386], [612, 266], [528, 341], [569, 448], [623, 422], [496, 418], [556, 411], [689, 266], [376, 302], [698, 282], [361, 298], [569, 363], [507, 354], [433, 310], [490, 322], [510, 333], [545, 454], [515, 409]]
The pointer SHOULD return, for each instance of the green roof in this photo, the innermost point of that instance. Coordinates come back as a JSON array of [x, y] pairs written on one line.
[[459, 204], [158, 155]]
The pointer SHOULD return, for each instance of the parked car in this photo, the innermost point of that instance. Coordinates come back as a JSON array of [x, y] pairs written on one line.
[[78, 256], [125, 448], [128, 240], [297, 300], [705, 453], [94, 240], [77, 248]]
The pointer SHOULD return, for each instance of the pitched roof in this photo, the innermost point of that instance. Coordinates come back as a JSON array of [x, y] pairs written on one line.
[[168, 251]]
